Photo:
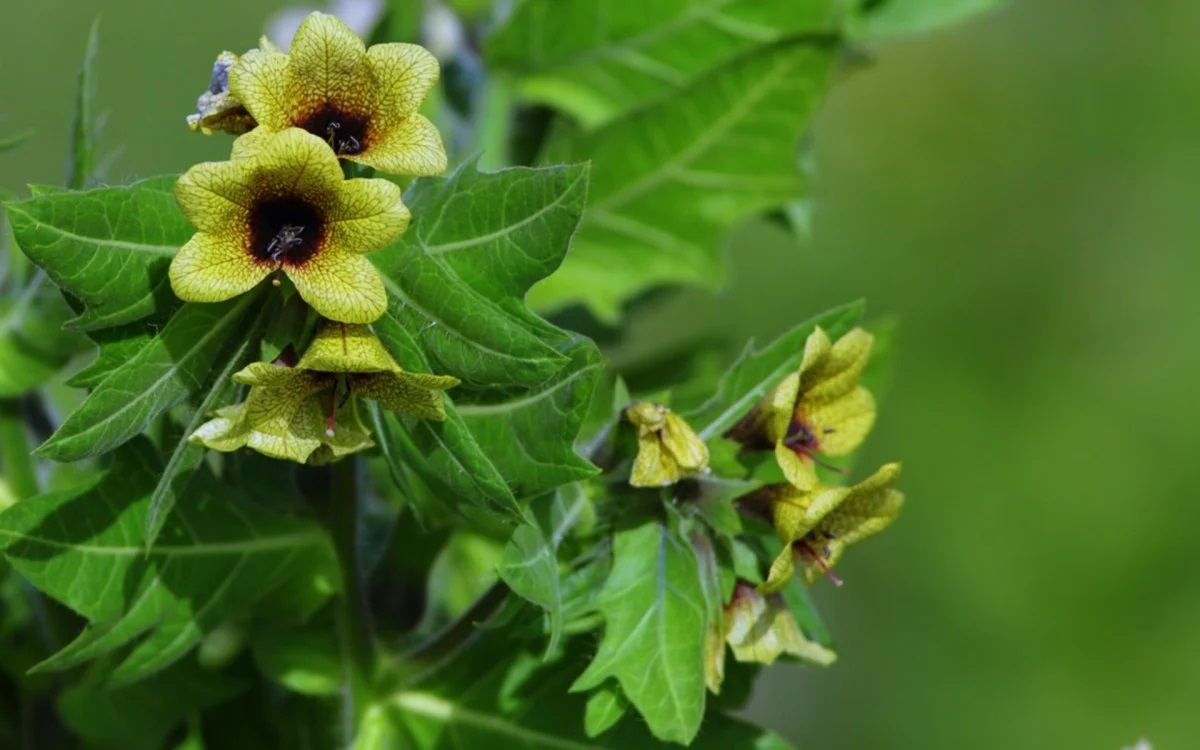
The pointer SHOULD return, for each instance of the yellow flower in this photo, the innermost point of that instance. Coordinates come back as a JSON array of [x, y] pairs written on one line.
[[668, 448], [362, 102], [307, 413], [284, 205], [217, 109], [759, 629], [819, 410], [817, 525]]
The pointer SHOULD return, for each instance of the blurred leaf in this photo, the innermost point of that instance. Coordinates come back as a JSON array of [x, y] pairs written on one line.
[[595, 59], [140, 717], [81, 164], [669, 180], [8, 143], [110, 247], [306, 660], [654, 607], [33, 344], [893, 17], [757, 372], [174, 365], [219, 558], [530, 435], [459, 276]]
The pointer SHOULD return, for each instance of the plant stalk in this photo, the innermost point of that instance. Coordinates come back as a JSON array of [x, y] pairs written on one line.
[[354, 622]]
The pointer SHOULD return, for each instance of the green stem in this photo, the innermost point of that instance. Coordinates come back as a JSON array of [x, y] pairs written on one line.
[[495, 123], [354, 624], [15, 456]]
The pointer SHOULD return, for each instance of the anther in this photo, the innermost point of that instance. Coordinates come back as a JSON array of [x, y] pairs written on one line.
[[285, 239]]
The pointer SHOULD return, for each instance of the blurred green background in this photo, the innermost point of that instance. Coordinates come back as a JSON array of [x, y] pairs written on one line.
[[1023, 192]]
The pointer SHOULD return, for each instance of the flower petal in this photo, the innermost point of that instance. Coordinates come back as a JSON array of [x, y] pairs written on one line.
[[837, 372], [299, 382], [214, 196], [782, 570], [250, 144], [341, 347], [340, 285], [214, 268], [418, 394], [224, 432], [283, 425], [411, 146], [368, 214], [327, 65], [798, 470], [294, 162], [404, 73], [261, 82], [841, 425]]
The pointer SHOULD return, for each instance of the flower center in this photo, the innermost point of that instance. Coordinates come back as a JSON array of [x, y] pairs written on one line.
[[346, 133], [805, 550], [804, 443], [285, 231]]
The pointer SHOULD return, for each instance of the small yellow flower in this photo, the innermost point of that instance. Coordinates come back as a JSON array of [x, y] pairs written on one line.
[[819, 410], [362, 102], [284, 205], [758, 629], [307, 413], [217, 109], [668, 448], [817, 525]]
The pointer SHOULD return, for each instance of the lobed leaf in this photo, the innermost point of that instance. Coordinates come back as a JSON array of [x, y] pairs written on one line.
[[669, 179], [217, 560], [595, 59], [109, 247]]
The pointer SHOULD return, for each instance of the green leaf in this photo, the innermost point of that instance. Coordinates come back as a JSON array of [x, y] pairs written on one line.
[[33, 344], [305, 660], [458, 277], [81, 165], [758, 371], [174, 365], [140, 717], [116, 347], [530, 435], [669, 180], [217, 558], [8, 143], [598, 58], [109, 247], [654, 607], [605, 707], [894, 17], [530, 564]]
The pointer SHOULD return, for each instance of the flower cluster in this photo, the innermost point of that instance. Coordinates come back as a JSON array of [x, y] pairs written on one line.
[[283, 206], [819, 412]]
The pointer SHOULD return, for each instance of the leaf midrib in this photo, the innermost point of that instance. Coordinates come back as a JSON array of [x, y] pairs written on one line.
[[436, 707]]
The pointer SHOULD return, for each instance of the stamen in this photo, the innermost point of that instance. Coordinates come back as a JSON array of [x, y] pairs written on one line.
[[808, 553], [332, 410], [285, 239]]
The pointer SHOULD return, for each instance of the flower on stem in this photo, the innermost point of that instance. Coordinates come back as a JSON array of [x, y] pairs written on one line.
[[820, 410], [282, 204], [816, 525], [668, 448], [217, 108], [308, 412], [361, 102], [758, 629]]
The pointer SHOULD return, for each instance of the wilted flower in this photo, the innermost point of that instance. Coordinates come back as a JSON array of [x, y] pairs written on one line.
[[668, 448], [217, 109], [282, 204], [817, 525], [308, 412], [758, 629], [819, 410], [361, 102]]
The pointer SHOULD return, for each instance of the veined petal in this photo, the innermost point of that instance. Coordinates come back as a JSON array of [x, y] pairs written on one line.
[[799, 470], [250, 144], [224, 432], [340, 285], [283, 424], [342, 347], [782, 570], [299, 382], [837, 373], [418, 394], [328, 64], [214, 268], [795, 513], [261, 82], [404, 74], [779, 405], [841, 425], [214, 196], [410, 146], [368, 214], [295, 162]]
